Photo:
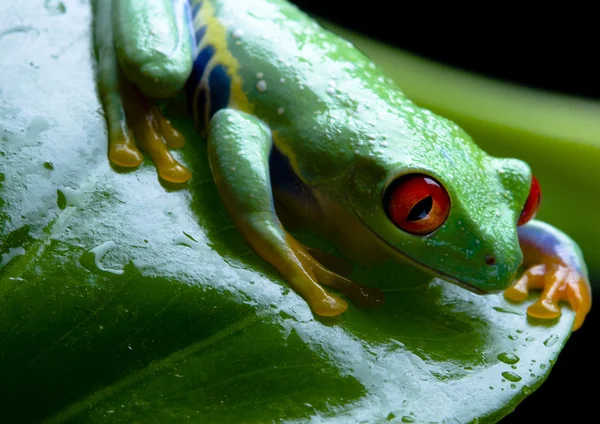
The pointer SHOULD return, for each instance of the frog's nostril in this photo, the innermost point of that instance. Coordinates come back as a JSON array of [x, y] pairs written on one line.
[[490, 260]]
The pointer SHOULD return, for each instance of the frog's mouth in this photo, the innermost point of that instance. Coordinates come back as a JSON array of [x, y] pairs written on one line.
[[428, 269]]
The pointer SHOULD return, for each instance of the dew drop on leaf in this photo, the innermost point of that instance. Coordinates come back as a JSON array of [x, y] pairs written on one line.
[[511, 376]]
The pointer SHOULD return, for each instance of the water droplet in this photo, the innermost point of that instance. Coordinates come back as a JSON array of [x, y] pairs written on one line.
[[285, 315], [261, 86], [407, 419], [551, 340], [48, 165], [92, 258], [391, 416], [513, 386], [514, 367], [507, 311], [543, 366], [186, 240], [530, 339], [526, 390], [519, 331], [8, 256], [1, 177], [491, 387], [508, 358], [511, 376], [61, 199], [66, 196], [511, 337]]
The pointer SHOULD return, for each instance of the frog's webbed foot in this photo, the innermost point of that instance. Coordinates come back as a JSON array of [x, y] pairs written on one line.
[[557, 268], [153, 133], [364, 297], [558, 283]]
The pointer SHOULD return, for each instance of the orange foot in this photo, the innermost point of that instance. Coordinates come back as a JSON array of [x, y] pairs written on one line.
[[153, 133], [558, 283]]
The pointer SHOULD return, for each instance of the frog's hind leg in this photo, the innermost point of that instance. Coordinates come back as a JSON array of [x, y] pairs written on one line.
[[133, 122], [239, 147]]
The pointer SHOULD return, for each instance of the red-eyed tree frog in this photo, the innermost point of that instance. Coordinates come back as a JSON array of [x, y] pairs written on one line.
[[303, 127]]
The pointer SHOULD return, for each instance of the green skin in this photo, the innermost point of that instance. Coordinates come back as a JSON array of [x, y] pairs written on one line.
[[348, 132]]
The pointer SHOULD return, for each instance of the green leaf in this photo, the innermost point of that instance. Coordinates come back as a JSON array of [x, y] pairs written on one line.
[[123, 300]]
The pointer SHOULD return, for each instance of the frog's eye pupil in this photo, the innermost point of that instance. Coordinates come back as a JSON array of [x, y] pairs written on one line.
[[532, 203], [417, 204], [421, 209]]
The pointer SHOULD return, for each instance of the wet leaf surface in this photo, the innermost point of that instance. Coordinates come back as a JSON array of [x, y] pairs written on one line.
[[124, 299]]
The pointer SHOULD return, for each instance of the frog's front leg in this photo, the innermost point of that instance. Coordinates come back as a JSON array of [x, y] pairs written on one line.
[[134, 123], [238, 148], [554, 263]]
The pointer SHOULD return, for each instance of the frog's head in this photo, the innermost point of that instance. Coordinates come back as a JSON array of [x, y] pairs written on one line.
[[439, 200]]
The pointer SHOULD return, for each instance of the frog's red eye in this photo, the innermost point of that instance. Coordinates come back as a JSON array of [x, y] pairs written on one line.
[[532, 203], [417, 204]]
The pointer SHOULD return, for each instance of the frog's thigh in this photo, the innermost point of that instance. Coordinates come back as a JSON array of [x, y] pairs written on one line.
[[130, 116], [239, 147]]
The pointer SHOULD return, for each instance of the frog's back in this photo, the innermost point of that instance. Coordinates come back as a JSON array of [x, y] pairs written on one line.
[[316, 92]]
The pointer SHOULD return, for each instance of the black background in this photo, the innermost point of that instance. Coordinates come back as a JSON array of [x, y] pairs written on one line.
[[545, 48]]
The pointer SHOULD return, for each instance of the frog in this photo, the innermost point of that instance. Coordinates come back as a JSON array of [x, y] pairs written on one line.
[[304, 130]]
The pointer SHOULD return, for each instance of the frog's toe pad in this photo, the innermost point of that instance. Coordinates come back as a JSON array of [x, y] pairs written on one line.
[[328, 305], [174, 173], [122, 150], [516, 294], [544, 309]]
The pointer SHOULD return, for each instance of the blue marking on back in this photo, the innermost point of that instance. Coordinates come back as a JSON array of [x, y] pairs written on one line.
[[202, 60], [200, 34], [283, 176], [219, 84]]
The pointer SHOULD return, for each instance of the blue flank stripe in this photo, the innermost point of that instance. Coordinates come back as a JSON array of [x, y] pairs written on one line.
[[283, 177], [550, 245], [219, 85], [200, 34], [200, 64], [193, 81]]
